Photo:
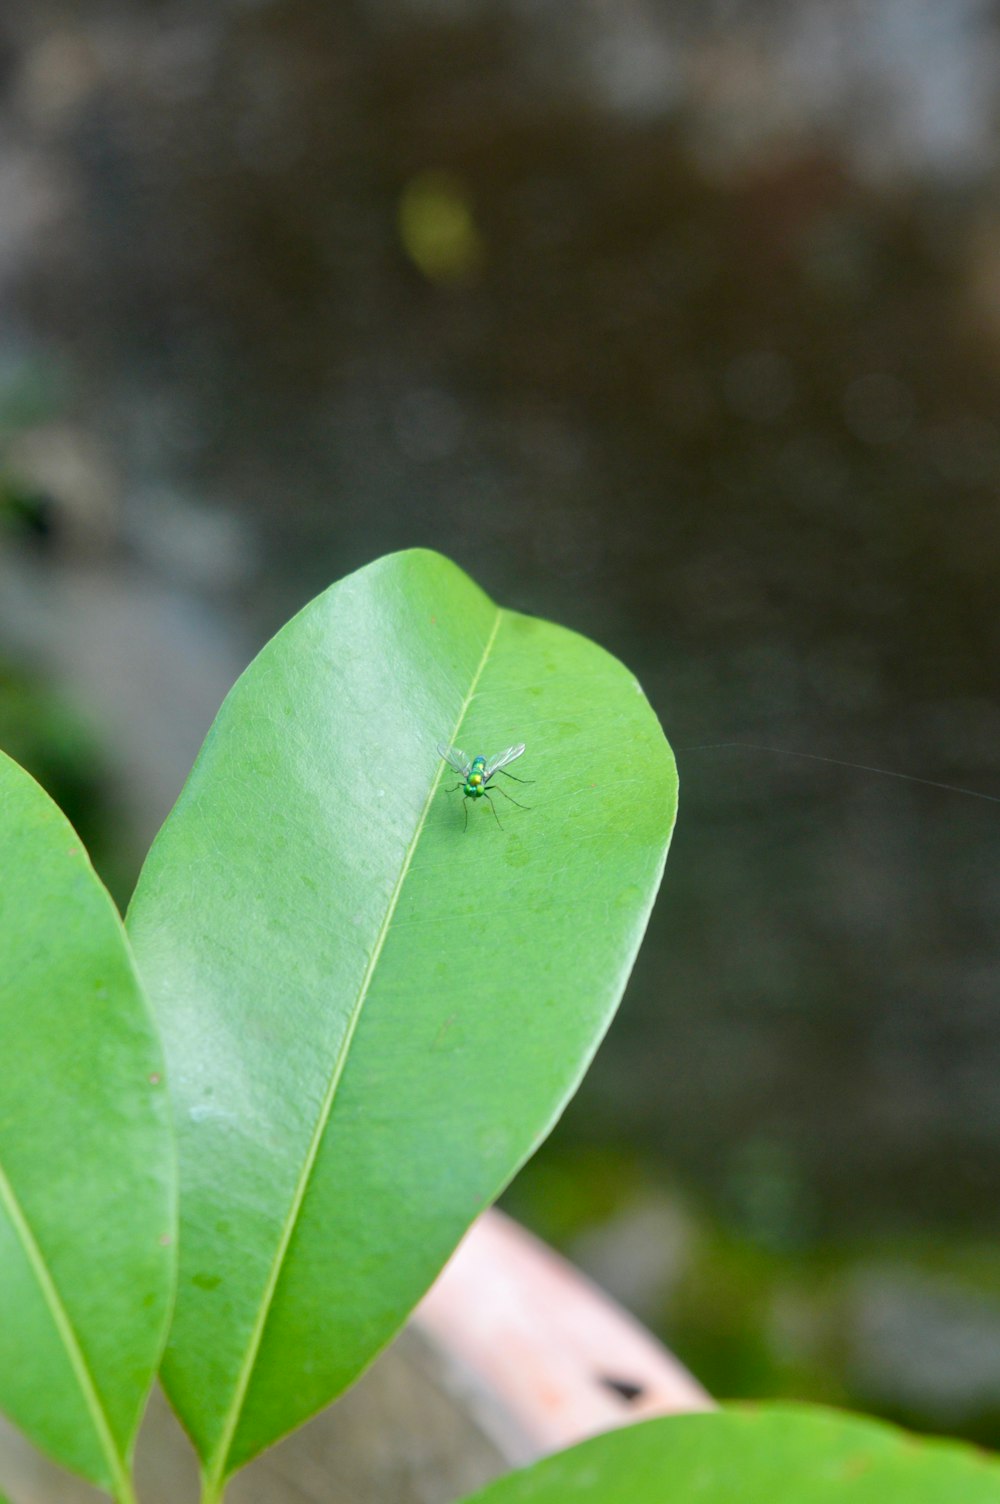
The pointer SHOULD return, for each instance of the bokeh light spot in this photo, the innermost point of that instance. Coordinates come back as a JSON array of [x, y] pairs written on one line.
[[437, 228]]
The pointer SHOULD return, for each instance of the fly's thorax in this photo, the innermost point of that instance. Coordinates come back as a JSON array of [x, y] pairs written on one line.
[[475, 783]]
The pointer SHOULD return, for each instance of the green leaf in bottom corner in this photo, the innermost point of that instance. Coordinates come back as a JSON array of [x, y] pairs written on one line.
[[774, 1454], [373, 1015], [87, 1165]]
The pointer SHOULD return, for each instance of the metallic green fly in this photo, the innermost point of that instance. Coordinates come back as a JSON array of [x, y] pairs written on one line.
[[476, 773]]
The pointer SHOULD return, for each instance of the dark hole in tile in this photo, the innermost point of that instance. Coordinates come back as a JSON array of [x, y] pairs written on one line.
[[626, 1388]]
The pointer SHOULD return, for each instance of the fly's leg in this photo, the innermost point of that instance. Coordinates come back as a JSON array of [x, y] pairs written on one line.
[[454, 788], [514, 776], [489, 801], [465, 807], [507, 796]]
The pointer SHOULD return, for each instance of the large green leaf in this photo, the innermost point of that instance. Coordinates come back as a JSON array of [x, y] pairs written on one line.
[[87, 1168], [371, 1015], [777, 1454]]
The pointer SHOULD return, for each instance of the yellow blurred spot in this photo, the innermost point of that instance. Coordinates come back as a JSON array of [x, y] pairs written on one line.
[[437, 228]]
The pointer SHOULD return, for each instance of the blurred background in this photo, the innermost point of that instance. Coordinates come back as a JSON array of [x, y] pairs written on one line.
[[677, 321]]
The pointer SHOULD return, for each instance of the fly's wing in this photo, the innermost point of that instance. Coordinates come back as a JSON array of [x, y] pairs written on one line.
[[501, 760], [457, 758]]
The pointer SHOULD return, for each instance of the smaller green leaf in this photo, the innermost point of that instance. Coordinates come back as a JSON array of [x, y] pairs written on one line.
[[771, 1454], [87, 1167]]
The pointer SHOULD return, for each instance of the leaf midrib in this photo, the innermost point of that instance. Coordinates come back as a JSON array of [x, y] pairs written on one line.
[[215, 1471], [118, 1472]]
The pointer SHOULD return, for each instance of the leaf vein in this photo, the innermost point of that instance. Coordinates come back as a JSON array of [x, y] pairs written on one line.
[[215, 1471], [68, 1337]]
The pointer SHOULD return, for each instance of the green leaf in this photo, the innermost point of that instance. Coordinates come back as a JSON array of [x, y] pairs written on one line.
[[774, 1454], [87, 1166], [371, 1015]]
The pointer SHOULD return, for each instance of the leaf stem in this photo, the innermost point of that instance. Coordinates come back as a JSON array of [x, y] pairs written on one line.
[[124, 1491]]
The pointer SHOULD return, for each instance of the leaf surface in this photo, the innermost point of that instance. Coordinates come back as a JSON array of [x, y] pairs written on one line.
[[372, 1015], [772, 1454], [87, 1166]]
